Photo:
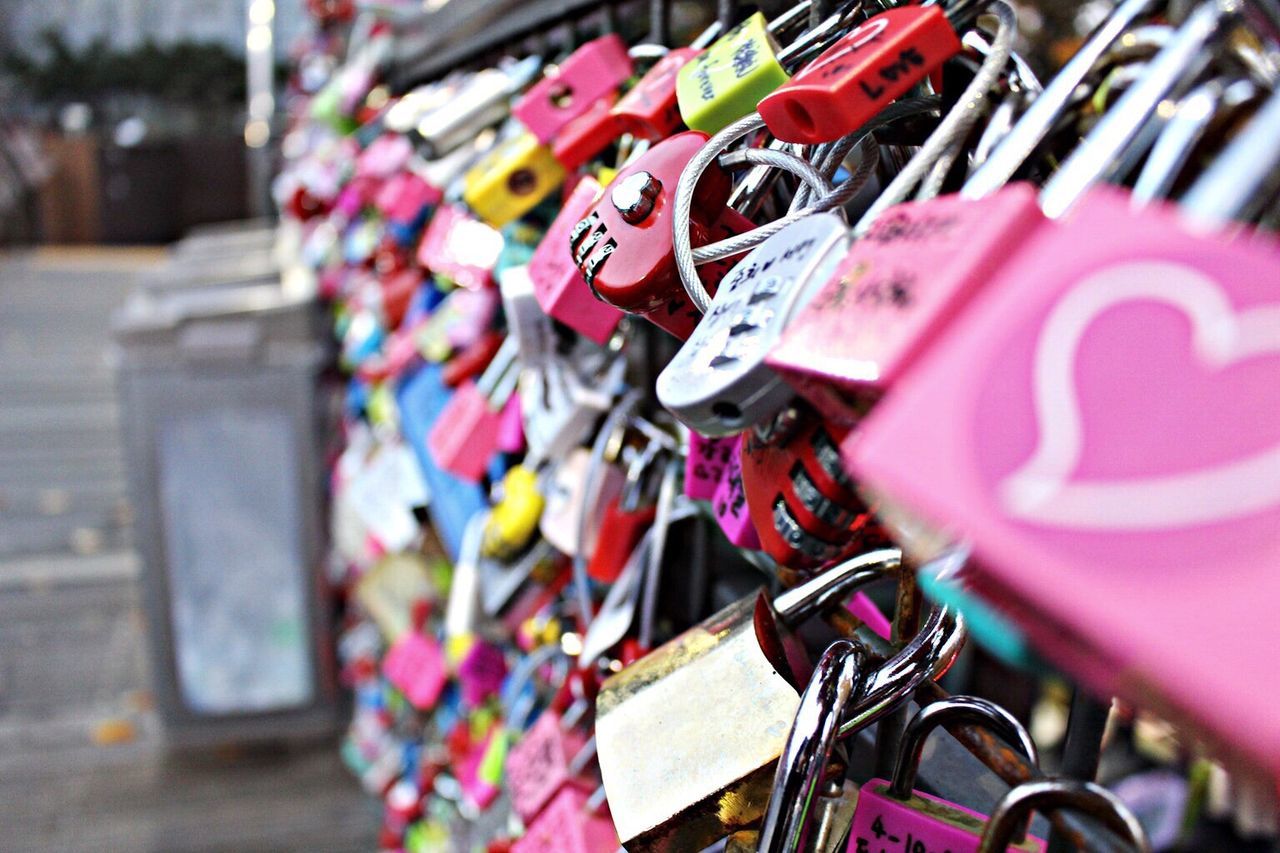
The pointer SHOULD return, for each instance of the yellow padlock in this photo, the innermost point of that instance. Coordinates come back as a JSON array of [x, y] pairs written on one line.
[[511, 179], [514, 519]]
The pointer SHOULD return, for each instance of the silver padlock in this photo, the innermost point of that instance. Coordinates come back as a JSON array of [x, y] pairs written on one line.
[[718, 383]]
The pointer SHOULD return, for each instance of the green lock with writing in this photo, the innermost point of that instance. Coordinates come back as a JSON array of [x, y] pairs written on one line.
[[727, 81]]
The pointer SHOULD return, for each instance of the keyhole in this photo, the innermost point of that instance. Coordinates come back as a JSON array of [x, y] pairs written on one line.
[[801, 117], [522, 181], [561, 95], [726, 411]]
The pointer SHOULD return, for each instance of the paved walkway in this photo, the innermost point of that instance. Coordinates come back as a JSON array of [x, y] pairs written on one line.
[[82, 762]]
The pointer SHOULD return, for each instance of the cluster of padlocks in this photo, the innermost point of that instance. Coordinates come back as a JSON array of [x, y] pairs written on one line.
[[843, 302]]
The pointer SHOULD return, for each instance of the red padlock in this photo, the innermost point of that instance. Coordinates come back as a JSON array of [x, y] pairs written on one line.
[[472, 360], [620, 532], [586, 136], [624, 245], [855, 79], [649, 110], [804, 506]]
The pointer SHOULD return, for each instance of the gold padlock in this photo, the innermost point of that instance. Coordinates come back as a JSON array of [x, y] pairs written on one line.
[[688, 735], [511, 179]]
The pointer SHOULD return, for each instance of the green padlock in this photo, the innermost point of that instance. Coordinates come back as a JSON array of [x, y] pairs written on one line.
[[727, 80]]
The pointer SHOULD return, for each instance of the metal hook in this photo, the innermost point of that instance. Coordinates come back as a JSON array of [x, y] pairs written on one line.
[[1085, 796]]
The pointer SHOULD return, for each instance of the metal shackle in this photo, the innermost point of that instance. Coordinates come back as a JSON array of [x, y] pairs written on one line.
[[968, 709], [1087, 797]]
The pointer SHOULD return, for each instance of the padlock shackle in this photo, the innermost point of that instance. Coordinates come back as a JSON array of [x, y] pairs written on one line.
[[1094, 800], [799, 604], [836, 684], [1234, 183], [968, 709], [1043, 113]]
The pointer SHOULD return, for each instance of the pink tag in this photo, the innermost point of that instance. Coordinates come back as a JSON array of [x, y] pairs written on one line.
[[1099, 422], [465, 436], [415, 666], [511, 427], [705, 465], [729, 503], [882, 823], [590, 73], [461, 247], [481, 672], [566, 826], [897, 287], [538, 766], [558, 284], [384, 156]]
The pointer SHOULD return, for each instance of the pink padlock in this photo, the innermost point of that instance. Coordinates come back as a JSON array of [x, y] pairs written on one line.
[[569, 825], [480, 770], [729, 503], [511, 427], [1091, 424], [898, 286], [480, 673], [461, 247], [384, 156], [404, 196], [540, 764], [465, 436], [415, 666], [590, 73], [705, 465], [558, 284]]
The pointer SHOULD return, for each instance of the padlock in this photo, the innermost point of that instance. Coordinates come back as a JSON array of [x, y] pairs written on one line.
[[481, 669], [718, 383], [514, 519], [384, 157], [472, 359], [649, 110], [871, 66], [893, 293], [804, 507], [415, 665], [729, 504], [568, 502], [623, 246], [892, 809], [465, 436], [558, 284], [705, 462], [1013, 810], [586, 136], [570, 823], [459, 246], [511, 179], [543, 762], [626, 519], [480, 102], [569, 89], [726, 81], [679, 778]]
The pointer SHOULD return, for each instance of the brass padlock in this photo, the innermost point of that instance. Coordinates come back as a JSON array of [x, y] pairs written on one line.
[[689, 734]]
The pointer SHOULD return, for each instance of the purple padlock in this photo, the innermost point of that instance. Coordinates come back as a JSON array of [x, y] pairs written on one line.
[[480, 673]]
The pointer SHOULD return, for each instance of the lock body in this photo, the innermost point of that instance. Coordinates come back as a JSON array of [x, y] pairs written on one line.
[[570, 89], [514, 519], [729, 502], [882, 822], [567, 825], [718, 383], [509, 181], [873, 65], [649, 110], [727, 80], [624, 248], [586, 136], [558, 283], [539, 765], [460, 247], [465, 436], [415, 666], [895, 291]]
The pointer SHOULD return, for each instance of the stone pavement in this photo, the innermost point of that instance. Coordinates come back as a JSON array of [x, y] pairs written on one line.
[[82, 761]]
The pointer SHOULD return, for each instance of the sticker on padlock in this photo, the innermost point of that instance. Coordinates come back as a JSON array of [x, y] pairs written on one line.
[[558, 284], [889, 810], [893, 293], [729, 503], [460, 247], [649, 109], [511, 179], [874, 64], [569, 824], [1066, 471], [727, 80], [624, 247], [415, 665], [542, 763], [705, 464], [803, 505], [567, 500], [718, 383], [569, 89]]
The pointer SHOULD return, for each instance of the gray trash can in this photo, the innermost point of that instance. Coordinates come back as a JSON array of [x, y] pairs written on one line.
[[222, 409]]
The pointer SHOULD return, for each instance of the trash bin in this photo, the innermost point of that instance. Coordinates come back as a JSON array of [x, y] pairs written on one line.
[[223, 416]]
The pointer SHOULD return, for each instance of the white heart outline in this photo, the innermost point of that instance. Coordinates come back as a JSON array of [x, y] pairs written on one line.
[[1040, 490]]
